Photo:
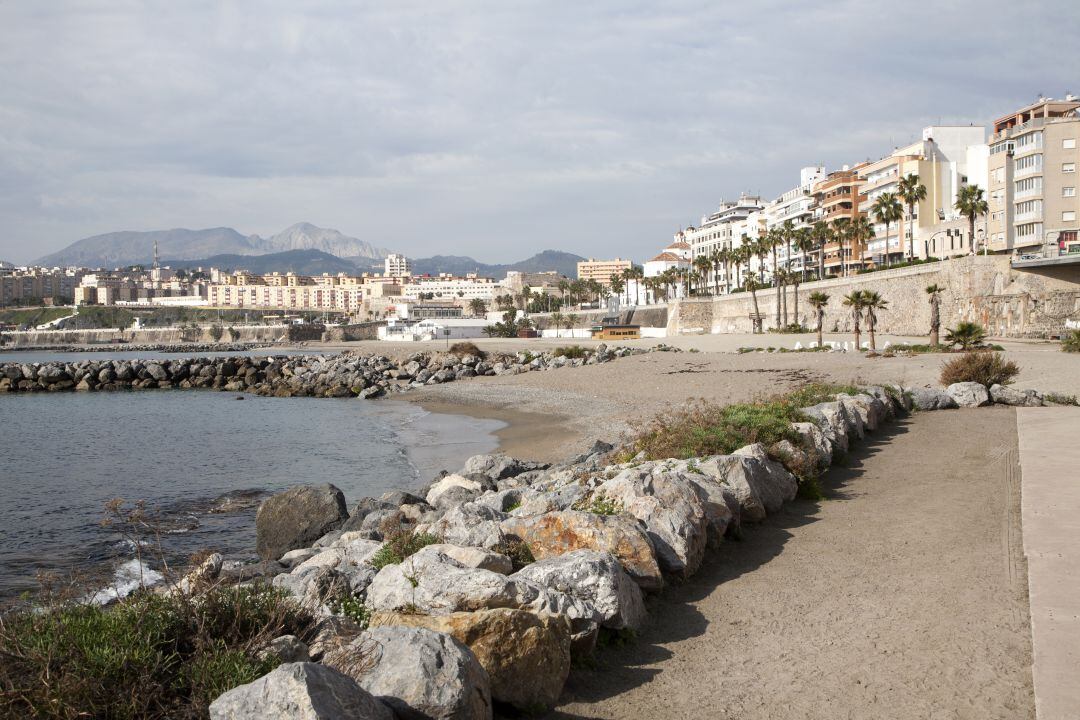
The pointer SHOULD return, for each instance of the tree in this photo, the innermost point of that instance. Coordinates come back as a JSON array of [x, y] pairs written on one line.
[[820, 235], [854, 300], [819, 300], [773, 239], [564, 287], [971, 204], [872, 302], [557, 319], [234, 334], [787, 232], [934, 291], [887, 210], [570, 321], [840, 231], [911, 191], [477, 307], [860, 230], [780, 277], [805, 244], [741, 256], [967, 335], [216, 331], [703, 264], [751, 284]]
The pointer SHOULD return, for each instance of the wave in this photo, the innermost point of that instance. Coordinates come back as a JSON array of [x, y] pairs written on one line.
[[129, 577]]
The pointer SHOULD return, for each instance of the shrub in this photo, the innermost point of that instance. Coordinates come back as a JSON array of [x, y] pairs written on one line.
[[572, 352], [791, 328], [598, 504], [1058, 399], [399, 545], [967, 335], [985, 367], [517, 550], [814, 393], [701, 428], [466, 348], [147, 656], [1070, 342]]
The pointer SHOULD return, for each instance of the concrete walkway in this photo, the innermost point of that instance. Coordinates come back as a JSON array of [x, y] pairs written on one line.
[[1050, 507]]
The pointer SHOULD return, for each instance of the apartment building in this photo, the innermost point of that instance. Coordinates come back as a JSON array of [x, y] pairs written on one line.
[[1032, 198], [726, 228], [397, 265], [289, 291], [796, 206], [450, 287], [836, 197], [35, 284], [602, 271]]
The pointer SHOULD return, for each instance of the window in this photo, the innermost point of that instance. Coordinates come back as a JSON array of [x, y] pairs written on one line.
[[1068, 167], [1068, 192], [1029, 162], [1068, 144], [1068, 216]]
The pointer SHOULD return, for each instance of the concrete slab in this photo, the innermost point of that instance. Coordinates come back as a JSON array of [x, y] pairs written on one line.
[[1050, 508]]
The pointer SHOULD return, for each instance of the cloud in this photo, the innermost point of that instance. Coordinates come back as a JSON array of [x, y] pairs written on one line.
[[476, 127]]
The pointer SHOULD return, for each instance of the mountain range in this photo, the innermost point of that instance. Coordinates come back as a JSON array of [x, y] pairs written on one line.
[[117, 249]]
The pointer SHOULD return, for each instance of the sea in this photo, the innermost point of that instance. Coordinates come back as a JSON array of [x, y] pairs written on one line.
[[195, 463]]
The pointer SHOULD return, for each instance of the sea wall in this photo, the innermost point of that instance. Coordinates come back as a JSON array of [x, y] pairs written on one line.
[[1009, 302], [146, 336]]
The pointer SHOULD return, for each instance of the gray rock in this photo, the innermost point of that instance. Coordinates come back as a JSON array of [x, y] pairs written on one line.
[[419, 673], [830, 419], [473, 486], [1004, 395], [495, 467], [923, 398], [296, 517], [468, 525], [475, 557], [814, 442], [761, 485], [598, 579], [969, 394], [157, 372], [305, 691], [287, 648]]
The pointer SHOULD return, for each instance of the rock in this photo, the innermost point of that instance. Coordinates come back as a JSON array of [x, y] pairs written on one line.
[[969, 394], [474, 557], [872, 411], [669, 506], [814, 442], [1004, 395], [294, 557], [288, 648], [468, 525], [365, 507], [931, 399], [829, 417], [526, 656], [760, 485], [201, 577], [157, 372], [419, 673], [397, 498], [495, 467], [598, 579], [296, 517], [448, 482], [299, 690], [557, 533]]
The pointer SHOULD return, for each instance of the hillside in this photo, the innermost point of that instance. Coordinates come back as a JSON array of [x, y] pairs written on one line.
[[561, 262], [301, 262], [130, 247]]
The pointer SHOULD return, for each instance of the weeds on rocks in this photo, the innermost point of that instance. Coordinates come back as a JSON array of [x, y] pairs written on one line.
[[984, 367], [400, 544], [1058, 399], [517, 550], [572, 352], [598, 504]]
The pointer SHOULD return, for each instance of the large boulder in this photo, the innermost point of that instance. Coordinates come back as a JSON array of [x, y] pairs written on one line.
[[526, 655], [595, 577], [671, 509], [969, 394], [925, 398], [468, 525], [304, 691], [817, 446], [1004, 395], [761, 485], [496, 467], [871, 410], [474, 557], [419, 673], [557, 533], [830, 417], [297, 517], [472, 485]]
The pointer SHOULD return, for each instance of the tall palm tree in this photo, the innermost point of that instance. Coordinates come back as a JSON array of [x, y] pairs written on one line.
[[787, 232], [717, 259], [557, 319], [781, 279], [840, 232], [911, 191], [773, 239], [854, 300], [805, 244], [741, 256], [819, 300], [820, 235], [887, 209], [934, 291], [860, 230], [477, 307], [702, 263], [635, 273], [752, 285], [795, 280], [617, 284], [564, 287], [971, 203], [872, 302]]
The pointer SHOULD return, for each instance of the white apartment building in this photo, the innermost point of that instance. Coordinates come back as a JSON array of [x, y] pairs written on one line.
[[451, 288], [397, 265], [725, 228], [797, 207]]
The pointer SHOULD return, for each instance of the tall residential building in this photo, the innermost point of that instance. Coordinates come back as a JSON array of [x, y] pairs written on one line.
[[601, 270], [725, 229], [397, 266], [1033, 183], [945, 159], [797, 207], [837, 197]]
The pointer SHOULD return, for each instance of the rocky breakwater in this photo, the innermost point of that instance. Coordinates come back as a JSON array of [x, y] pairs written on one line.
[[480, 589], [343, 375]]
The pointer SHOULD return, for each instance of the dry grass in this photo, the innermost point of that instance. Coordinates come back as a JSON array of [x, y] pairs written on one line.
[[987, 368]]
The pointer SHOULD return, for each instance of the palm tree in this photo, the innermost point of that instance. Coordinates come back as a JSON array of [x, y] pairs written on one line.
[[617, 284], [887, 209], [860, 230], [717, 258], [773, 238], [805, 244], [557, 319], [787, 232], [971, 203], [820, 235], [934, 291], [795, 294], [634, 273], [840, 231], [854, 300], [570, 321], [477, 307], [873, 302], [752, 285], [564, 287], [704, 264], [967, 335], [781, 279], [819, 300], [741, 256], [911, 191]]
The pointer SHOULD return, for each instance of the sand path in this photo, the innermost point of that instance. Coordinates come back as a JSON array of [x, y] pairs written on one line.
[[903, 595]]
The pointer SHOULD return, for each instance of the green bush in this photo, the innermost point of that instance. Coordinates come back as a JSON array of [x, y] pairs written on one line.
[[967, 335], [399, 545], [573, 352], [814, 393], [147, 656], [1070, 342], [985, 367]]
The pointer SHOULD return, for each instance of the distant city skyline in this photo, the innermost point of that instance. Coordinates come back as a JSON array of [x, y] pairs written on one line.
[[484, 130]]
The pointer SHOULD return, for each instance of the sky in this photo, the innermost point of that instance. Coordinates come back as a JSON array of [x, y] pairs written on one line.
[[493, 128]]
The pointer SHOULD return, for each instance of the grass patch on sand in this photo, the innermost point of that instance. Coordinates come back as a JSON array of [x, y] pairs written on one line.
[[981, 366]]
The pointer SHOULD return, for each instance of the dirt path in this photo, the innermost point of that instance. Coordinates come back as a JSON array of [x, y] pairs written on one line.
[[902, 596]]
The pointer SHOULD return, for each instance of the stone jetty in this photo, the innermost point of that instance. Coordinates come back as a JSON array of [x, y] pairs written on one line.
[[342, 375]]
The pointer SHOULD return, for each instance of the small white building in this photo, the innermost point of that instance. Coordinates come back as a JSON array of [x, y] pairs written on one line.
[[433, 329], [397, 266]]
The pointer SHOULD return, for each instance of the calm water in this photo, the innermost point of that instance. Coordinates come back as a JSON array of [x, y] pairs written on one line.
[[63, 456]]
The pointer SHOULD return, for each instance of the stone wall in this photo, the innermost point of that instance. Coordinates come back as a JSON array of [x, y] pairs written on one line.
[[1029, 302], [148, 336]]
